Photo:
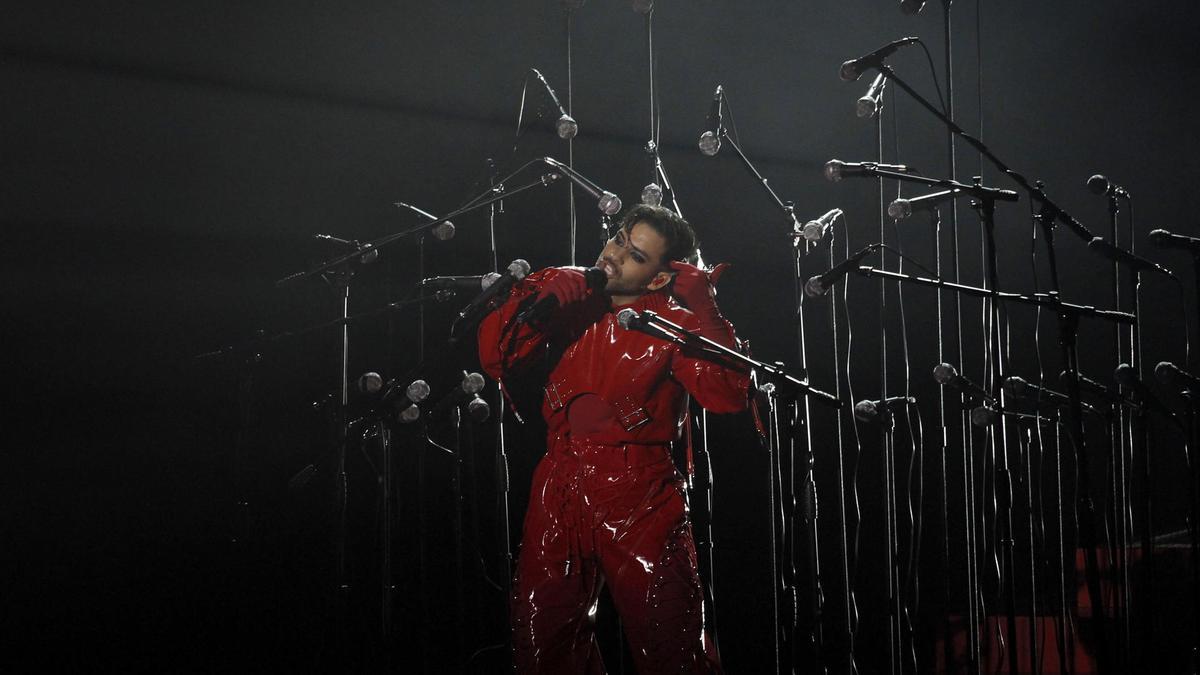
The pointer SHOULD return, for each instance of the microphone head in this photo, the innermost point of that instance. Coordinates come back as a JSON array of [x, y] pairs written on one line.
[[609, 203], [1165, 372], [1098, 184], [627, 318], [813, 231], [643, 6], [518, 269], [444, 231], [1160, 237], [849, 72], [710, 143], [900, 209], [866, 411], [1125, 375], [652, 194], [410, 414], [370, 256], [912, 6], [472, 383], [833, 170], [369, 383], [567, 127], [944, 373], [417, 391], [983, 416], [487, 280], [478, 409], [596, 278], [866, 107], [1016, 386], [814, 288]]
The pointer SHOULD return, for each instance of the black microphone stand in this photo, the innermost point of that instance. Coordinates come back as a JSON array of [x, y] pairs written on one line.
[[804, 448]]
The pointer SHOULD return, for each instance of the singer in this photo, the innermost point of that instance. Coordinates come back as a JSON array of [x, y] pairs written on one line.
[[607, 505]]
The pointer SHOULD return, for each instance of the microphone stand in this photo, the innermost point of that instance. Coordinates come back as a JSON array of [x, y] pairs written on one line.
[[802, 416]]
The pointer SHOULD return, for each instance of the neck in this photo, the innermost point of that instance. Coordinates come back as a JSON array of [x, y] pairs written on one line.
[[622, 300]]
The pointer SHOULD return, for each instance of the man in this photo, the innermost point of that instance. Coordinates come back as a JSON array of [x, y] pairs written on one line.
[[607, 505]]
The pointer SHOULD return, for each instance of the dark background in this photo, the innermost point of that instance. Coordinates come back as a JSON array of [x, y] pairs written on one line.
[[162, 164]]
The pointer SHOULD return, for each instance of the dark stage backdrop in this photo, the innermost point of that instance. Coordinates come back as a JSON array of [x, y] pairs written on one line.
[[162, 164]]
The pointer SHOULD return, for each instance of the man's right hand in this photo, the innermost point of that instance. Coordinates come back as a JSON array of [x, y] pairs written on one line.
[[569, 286]]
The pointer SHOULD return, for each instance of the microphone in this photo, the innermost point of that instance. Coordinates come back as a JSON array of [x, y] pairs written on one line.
[[442, 231], [868, 105], [1102, 186], [1118, 254], [836, 169], [630, 319], [607, 202], [1126, 375], [369, 253], [596, 280], [853, 69], [472, 384], [516, 271], [983, 416], [643, 6], [416, 392], [652, 194], [946, 374], [1173, 376], [880, 411], [1107, 394], [1165, 239], [478, 409], [819, 284], [710, 140], [566, 125], [1020, 388], [903, 208], [912, 6], [461, 284], [815, 230], [370, 383]]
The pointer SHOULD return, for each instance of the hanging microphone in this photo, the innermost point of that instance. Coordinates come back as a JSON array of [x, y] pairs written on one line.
[[880, 411], [1165, 239], [903, 208], [1102, 186], [652, 194], [443, 231], [369, 383], [815, 230], [1173, 376], [819, 284], [710, 140], [1118, 254], [608, 203], [643, 6], [947, 375], [566, 125], [478, 409], [868, 105], [912, 6], [853, 69], [462, 284], [416, 392], [630, 319], [596, 280], [836, 169], [516, 271]]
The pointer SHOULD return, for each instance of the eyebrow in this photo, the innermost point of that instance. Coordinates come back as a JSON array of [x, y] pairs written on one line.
[[629, 240]]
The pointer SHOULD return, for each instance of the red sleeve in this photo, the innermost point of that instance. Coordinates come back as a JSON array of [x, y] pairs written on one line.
[[505, 346], [716, 388]]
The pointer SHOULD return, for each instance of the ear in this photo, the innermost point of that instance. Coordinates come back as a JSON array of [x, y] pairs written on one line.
[[661, 279]]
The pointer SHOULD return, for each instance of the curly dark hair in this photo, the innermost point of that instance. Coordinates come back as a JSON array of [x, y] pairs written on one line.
[[679, 235]]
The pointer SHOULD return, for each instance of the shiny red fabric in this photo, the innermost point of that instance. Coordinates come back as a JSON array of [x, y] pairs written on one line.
[[608, 508]]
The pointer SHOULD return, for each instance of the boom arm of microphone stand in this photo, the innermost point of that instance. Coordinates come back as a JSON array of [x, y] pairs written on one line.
[[1035, 193], [977, 191], [758, 177], [544, 180], [775, 372]]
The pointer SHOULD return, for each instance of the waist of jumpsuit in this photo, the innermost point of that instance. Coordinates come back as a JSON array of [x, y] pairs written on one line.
[[610, 456]]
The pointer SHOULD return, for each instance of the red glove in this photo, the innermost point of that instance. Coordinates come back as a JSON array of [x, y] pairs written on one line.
[[696, 290], [569, 286]]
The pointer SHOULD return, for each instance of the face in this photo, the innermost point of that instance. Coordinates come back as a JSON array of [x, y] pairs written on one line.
[[634, 262]]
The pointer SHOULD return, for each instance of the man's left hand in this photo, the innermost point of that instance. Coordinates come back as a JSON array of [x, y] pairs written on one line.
[[694, 287]]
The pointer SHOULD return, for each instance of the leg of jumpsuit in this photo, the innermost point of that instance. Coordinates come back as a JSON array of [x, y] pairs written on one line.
[[648, 557], [557, 581]]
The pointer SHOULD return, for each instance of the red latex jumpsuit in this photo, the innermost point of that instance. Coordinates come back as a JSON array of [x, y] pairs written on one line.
[[607, 504]]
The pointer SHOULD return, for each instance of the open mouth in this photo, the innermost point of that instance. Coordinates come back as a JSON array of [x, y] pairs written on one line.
[[609, 268]]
